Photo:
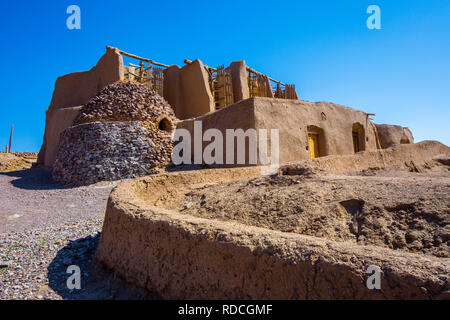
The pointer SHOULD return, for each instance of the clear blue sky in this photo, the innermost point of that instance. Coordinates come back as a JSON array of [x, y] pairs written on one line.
[[401, 72]]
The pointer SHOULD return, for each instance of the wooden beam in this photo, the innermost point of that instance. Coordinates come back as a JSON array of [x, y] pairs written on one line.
[[263, 75], [142, 59], [10, 139], [189, 62]]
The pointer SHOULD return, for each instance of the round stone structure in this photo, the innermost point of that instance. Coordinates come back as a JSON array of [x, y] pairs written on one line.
[[125, 131]]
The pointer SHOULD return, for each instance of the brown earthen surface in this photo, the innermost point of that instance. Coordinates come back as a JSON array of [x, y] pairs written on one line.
[[172, 90], [294, 119], [75, 89], [197, 96], [414, 158], [56, 121], [316, 239], [72, 90], [391, 135], [239, 80], [13, 162]]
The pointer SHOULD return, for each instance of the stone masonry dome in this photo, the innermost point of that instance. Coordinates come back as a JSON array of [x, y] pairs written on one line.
[[125, 131]]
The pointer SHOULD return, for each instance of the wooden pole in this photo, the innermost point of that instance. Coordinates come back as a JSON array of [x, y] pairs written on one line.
[[10, 139], [262, 75], [143, 59]]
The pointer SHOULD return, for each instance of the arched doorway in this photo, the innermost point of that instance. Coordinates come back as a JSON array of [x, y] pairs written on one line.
[[316, 142], [358, 136]]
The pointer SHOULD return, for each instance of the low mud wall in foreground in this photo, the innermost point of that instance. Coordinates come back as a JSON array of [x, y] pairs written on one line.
[[404, 157], [179, 256]]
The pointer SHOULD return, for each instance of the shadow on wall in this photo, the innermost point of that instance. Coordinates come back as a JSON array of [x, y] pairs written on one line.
[[97, 283]]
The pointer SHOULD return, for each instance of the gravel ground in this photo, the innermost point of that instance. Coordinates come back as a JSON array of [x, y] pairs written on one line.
[[38, 260], [44, 229], [30, 200]]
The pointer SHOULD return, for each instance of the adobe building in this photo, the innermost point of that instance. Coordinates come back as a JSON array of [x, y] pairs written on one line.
[[306, 130], [224, 98]]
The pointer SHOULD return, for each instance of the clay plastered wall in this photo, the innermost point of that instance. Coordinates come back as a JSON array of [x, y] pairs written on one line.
[[197, 95], [407, 157], [292, 118], [76, 89], [172, 90], [239, 115], [239, 80], [56, 122], [391, 135], [187, 90], [178, 256]]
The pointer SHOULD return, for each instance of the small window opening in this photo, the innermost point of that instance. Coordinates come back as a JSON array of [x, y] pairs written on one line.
[[165, 125]]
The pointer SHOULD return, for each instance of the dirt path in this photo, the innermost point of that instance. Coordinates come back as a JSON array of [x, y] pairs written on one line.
[[44, 228], [30, 200]]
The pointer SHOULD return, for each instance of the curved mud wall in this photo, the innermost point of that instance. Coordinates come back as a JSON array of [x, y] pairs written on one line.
[[179, 256]]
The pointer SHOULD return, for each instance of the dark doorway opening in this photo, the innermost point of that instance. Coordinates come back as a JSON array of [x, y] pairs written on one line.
[[358, 136]]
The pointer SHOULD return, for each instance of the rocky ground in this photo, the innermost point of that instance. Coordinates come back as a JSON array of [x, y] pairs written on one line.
[[45, 228], [29, 199]]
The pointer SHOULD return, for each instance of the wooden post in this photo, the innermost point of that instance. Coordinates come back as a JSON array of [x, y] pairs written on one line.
[[6, 149], [10, 139], [141, 72]]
